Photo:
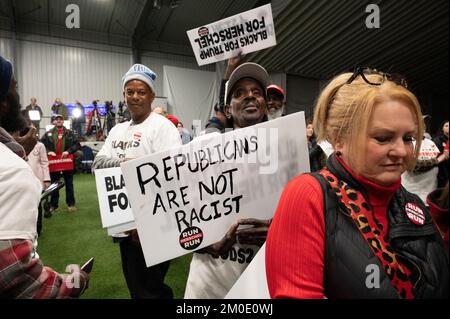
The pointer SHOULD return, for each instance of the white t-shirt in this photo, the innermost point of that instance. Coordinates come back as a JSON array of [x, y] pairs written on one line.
[[20, 194], [153, 135], [212, 278], [127, 140], [423, 183]]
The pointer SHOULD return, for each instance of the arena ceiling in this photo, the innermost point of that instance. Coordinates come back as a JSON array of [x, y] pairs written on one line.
[[316, 38]]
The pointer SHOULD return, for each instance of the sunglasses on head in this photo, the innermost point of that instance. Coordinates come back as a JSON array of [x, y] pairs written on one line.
[[363, 71]]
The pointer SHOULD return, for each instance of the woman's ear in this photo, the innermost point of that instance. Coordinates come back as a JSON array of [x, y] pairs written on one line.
[[338, 147]]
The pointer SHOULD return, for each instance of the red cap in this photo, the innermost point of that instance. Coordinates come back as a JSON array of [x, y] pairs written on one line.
[[275, 88], [173, 119]]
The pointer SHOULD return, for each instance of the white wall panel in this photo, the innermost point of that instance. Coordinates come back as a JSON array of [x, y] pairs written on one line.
[[157, 61], [49, 68], [48, 71], [190, 94], [6, 49]]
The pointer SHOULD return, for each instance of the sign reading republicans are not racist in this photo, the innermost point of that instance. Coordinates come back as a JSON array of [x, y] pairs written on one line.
[[186, 198], [247, 32]]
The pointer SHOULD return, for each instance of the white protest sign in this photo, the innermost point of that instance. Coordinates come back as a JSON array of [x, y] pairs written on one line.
[[113, 200], [187, 198], [34, 115], [247, 32], [117, 229], [252, 284]]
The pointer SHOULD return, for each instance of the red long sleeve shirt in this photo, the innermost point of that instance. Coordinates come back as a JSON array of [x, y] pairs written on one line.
[[295, 244]]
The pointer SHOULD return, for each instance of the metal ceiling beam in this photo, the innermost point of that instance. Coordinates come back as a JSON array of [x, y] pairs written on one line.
[[89, 36], [164, 25], [38, 6], [408, 64], [112, 16], [3, 13], [369, 52], [13, 15], [139, 30], [338, 46], [357, 48], [425, 28], [224, 13], [309, 47], [284, 29], [421, 72], [111, 19], [48, 17]]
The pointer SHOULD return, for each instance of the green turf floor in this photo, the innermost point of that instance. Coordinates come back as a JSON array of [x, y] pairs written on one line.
[[75, 237]]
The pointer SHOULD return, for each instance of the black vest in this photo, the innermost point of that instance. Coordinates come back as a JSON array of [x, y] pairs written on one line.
[[350, 264]]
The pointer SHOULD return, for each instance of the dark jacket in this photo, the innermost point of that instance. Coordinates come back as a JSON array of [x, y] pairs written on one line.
[[214, 125], [317, 157], [439, 210], [443, 167], [71, 143], [347, 254]]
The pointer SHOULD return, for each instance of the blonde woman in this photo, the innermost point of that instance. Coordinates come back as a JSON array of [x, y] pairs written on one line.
[[351, 230]]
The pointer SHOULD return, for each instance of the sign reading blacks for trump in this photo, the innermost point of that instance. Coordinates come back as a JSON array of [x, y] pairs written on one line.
[[186, 198], [247, 32]]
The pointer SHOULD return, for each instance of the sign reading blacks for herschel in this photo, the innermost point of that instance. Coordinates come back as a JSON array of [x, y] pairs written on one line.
[[246, 32]]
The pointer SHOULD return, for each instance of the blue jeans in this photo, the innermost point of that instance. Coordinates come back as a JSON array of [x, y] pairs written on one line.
[[68, 180]]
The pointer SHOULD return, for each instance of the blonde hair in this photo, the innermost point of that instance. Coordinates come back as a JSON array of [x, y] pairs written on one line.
[[343, 111]]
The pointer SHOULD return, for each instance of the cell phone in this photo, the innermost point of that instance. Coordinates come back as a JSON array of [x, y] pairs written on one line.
[[87, 267], [53, 187]]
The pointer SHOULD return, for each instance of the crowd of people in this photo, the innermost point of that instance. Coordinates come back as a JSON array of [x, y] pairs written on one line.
[[363, 204], [93, 125]]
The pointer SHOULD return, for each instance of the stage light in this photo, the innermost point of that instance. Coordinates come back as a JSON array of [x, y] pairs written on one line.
[[76, 113]]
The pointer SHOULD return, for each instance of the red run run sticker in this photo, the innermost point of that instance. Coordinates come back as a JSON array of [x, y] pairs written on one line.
[[203, 31], [137, 136], [415, 214], [191, 238]]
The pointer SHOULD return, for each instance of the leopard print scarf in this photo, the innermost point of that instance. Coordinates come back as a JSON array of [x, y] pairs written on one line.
[[361, 213]]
